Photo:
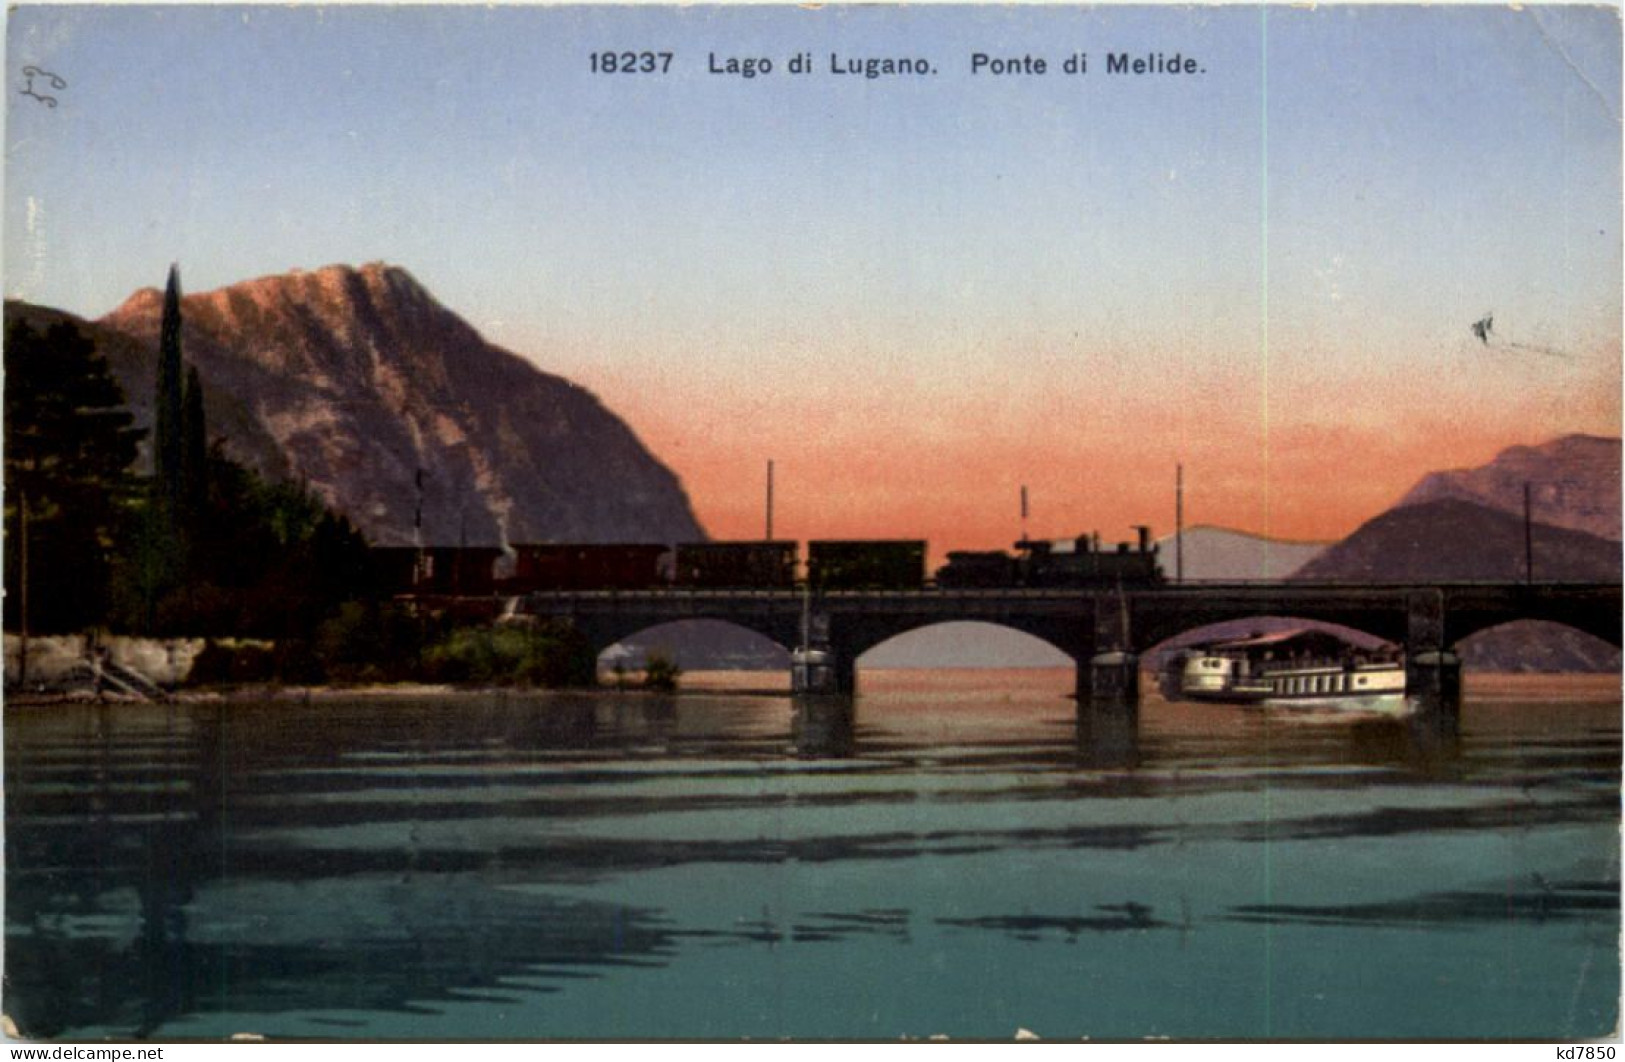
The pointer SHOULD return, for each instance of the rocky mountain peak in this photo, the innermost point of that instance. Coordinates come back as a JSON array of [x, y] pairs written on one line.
[[1574, 482], [369, 385]]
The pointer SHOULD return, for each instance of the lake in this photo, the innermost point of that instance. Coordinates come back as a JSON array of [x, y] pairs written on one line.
[[960, 855]]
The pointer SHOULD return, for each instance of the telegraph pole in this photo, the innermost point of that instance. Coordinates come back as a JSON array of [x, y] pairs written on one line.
[[770, 499], [1179, 523], [1528, 539], [22, 594]]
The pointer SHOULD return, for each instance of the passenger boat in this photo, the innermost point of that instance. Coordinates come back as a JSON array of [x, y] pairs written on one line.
[[1295, 668]]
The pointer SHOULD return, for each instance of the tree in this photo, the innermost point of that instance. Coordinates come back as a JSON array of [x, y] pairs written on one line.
[[194, 486], [265, 559], [169, 530], [69, 447], [169, 443]]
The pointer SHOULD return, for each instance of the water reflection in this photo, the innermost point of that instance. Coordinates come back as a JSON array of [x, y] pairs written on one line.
[[357, 866], [1533, 900], [1112, 918], [1108, 738], [823, 727]]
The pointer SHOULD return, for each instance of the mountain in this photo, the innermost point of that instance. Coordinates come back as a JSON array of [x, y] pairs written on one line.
[[1217, 553], [358, 379], [1574, 482], [1454, 539], [134, 364]]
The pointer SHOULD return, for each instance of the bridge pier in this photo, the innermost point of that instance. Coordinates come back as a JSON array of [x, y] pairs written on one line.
[[1108, 737], [1110, 680], [822, 727], [824, 663], [1108, 712], [1432, 671], [823, 672], [1433, 682]]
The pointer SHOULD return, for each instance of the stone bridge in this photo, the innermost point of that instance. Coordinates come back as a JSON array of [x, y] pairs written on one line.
[[1103, 631]]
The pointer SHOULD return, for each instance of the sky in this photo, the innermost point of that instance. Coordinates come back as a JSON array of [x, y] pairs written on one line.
[[914, 294]]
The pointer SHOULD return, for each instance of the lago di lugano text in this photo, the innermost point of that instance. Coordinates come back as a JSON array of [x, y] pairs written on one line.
[[987, 65]]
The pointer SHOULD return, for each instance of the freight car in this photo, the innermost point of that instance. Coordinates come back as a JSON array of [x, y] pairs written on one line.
[[872, 564], [447, 570], [735, 564], [587, 566], [978, 570]]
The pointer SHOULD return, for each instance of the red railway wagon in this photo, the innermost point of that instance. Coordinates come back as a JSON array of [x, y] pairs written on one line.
[[586, 566], [444, 570]]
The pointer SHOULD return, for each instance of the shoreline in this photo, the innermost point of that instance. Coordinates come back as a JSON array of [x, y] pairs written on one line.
[[1488, 685], [276, 694]]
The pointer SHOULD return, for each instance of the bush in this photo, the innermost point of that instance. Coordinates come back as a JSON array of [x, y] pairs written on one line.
[[366, 642], [660, 672], [545, 654], [230, 665]]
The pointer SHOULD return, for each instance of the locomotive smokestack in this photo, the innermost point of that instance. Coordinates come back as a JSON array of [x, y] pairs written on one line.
[[1145, 537]]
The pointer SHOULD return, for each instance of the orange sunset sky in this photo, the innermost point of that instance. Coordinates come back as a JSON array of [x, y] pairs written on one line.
[[914, 294]]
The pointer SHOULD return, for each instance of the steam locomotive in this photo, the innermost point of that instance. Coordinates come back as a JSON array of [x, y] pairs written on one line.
[[831, 565]]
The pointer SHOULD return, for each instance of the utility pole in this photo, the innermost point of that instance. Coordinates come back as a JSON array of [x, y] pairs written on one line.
[[1179, 523], [1528, 539], [420, 560], [770, 499], [22, 588]]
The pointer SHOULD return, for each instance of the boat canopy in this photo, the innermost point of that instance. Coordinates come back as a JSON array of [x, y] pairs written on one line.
[[1297, 640]]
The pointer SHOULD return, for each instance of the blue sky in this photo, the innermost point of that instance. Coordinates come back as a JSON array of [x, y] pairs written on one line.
[[1197, 265]]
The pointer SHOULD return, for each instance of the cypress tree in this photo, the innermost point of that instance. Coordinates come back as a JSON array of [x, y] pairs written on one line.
[[169, 445], [194, 488]]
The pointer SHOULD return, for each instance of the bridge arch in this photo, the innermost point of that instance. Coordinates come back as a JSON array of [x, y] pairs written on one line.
[[1598, 620], [965, 644], [606, 631], [699, 644], [1545, 645], [857, 635], [1264, 623], [1161, 621]]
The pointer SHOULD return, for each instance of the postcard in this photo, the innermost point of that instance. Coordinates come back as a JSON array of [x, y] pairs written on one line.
[[846, 522]]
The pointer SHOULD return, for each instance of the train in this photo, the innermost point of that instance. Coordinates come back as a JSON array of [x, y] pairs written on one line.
[[1081, 563], [831, 565]]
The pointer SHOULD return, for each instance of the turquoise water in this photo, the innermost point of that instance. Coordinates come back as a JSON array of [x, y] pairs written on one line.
[[960, 856]]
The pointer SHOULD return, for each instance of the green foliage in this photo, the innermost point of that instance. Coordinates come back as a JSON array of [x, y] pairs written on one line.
[[231, 665], [543, 654], [69, 445], [369, 642], [194, 486], [660, 672], [264, 560]]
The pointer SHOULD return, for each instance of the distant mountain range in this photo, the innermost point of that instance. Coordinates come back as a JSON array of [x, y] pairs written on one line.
[[1454, 539], [1218, 553], [1468, 524], [1574, 482], [354, 380]]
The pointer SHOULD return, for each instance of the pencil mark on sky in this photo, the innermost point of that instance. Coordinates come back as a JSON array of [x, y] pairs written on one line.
[[55, 82], [1568, 60]]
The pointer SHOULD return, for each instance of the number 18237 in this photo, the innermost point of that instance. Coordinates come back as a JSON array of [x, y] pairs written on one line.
[[631, 62]]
